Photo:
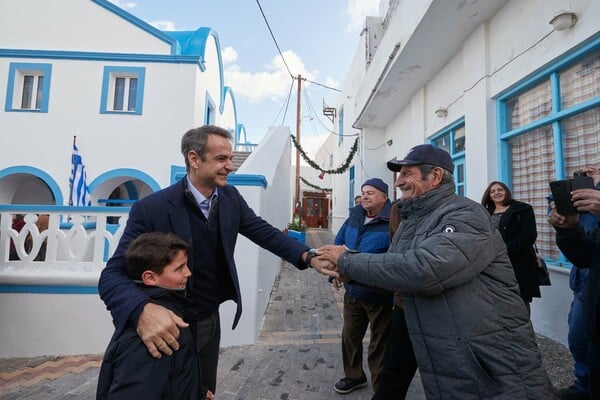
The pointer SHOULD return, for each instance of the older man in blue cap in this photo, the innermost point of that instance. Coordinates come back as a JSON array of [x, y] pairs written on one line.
[[365, 230], [469, 328]]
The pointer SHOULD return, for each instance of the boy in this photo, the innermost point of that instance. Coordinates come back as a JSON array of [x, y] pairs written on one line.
[[157, 262]]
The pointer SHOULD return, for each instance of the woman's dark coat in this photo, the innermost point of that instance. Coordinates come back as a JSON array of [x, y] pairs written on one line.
[[518, 229]]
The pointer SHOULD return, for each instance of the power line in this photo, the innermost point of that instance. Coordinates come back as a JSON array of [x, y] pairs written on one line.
[[325, 86], [274, 40], [281, 54], [310, 106], [285, 105], [499, 69]]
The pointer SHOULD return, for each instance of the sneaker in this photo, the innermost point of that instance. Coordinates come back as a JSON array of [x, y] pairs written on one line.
[[572, 393], [346, 385]]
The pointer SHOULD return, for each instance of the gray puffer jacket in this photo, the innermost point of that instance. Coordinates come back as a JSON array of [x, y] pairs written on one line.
[[469, 327]]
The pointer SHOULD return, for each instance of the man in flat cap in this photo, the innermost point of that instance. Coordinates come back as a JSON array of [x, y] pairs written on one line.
[[365, 230], [469, 328]]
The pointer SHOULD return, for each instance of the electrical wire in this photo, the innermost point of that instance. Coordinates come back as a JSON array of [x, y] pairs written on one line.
[[310, 106], [284, 105], [315, 130], [498, 69], [281, 53], [325, 86], [287, 103], [274, 40]]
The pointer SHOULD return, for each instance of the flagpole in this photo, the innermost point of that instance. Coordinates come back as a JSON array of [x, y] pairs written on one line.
[[71, 183]]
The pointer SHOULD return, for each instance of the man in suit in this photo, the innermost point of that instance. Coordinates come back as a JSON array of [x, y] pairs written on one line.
[[209, 214]]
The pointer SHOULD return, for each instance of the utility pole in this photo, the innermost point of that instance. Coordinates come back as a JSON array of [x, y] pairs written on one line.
[[298, 202]]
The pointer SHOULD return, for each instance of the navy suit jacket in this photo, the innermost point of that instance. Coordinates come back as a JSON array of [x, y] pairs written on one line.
[[167, 211]]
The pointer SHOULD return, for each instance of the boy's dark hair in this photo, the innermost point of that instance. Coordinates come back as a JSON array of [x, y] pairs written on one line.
[[153, 251]]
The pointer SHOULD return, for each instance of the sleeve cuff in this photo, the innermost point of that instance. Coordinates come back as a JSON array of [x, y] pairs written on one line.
[[137, 311]]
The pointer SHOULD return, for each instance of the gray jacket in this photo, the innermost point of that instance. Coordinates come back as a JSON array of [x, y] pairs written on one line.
[[469, 327]]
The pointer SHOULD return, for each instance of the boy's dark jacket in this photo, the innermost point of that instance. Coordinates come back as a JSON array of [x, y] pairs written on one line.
[[128, 370]]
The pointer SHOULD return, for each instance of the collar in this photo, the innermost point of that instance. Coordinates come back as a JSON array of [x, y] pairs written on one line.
[[199, 197], [158, 290], [426, 202], [383, 214]]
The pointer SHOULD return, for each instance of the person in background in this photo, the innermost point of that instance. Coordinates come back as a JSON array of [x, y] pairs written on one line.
[[42, 225], [516, 222], [365, 230], [469, 328], [577, 340], [400, 365], [583, 250], [356, 200], [18, 223], [157, 263], [208, 213]]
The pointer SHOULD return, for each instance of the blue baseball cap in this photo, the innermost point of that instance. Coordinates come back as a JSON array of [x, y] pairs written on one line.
[[424, 154]]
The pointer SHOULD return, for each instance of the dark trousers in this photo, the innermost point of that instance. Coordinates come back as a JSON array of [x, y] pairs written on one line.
[[208, 339], [594, 366], [358, 314], [400, 363], [577, 338]]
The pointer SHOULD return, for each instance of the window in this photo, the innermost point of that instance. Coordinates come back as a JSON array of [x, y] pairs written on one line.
[[209, 115], [122, 90], [549, 127], [453, 140], [341, 127], [28, 87], [351, 187]]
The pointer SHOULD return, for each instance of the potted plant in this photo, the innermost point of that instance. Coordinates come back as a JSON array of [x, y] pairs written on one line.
[[297, 229]]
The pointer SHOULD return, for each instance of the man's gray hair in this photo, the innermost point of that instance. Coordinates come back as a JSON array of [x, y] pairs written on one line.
[[197, 138], [448, 177]]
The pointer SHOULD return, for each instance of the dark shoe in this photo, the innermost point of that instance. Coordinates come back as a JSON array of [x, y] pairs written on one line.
[[572, 393], [346, 385]]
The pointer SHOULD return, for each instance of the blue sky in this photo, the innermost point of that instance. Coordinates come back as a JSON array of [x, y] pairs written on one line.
[[318, 39]]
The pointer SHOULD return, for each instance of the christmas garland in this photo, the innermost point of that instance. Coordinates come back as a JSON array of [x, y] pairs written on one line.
[[340, 170], [314, 186]]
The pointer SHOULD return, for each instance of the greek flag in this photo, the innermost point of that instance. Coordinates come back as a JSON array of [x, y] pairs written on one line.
[[80, 195]]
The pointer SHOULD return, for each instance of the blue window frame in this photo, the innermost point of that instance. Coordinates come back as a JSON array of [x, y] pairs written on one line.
[[452, 139], [122, 90], [548, 126], [28, 87]]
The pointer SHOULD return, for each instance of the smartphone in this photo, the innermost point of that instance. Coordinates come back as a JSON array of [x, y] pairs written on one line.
[[561, 191]]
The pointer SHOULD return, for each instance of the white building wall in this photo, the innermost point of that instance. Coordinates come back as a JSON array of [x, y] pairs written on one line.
[[39, 324], [73, 25], [213, 73], [227, 119], [517, 28], [514, 42], [106, 141], [257, 268], [85, 34]]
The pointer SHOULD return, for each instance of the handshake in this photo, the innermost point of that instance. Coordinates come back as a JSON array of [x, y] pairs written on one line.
[[326, 258]]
